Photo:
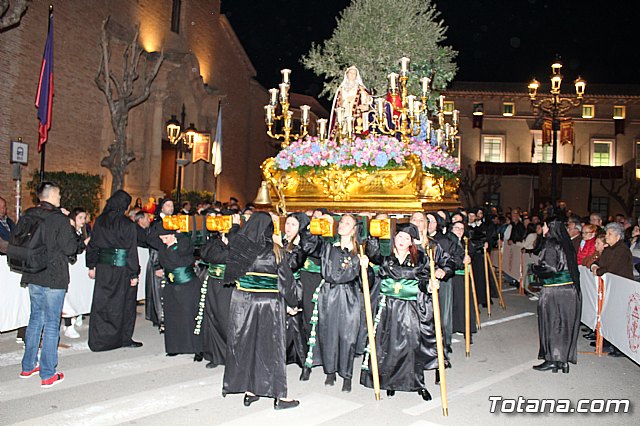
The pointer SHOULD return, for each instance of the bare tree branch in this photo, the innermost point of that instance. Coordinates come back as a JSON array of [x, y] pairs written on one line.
[[13, 17]]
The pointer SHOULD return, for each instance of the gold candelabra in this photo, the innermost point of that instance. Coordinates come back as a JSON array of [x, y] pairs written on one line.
[[403, 114], [285, 118]]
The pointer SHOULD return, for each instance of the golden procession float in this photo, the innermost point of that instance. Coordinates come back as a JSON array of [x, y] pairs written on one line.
[[388, 154]]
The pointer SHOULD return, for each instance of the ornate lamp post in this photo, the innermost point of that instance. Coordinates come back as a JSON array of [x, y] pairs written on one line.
[[179, 138], [554, 106]]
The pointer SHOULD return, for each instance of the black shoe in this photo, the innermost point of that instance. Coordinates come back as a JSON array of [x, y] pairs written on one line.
[[280, 404], [437, 377], [346, 385], [449, 349], [198, 357], [211, 364], [250, 399], [134, 344], [306, 373], [590, 336], [171, 354], [390, 393], [614, 352], [330, 380], [424, 394], [564, 366], [547, 365]]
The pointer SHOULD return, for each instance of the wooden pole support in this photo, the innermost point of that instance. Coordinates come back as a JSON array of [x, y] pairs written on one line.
[[373, 356]]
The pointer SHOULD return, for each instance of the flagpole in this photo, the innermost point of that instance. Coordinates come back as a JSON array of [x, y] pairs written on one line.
[[42, 163], [42, 146], [217, 151]]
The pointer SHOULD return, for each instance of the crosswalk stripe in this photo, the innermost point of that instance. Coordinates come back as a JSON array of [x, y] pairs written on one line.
[[420, 409], [21, 388], [134, 406], [506, 319], [315, 409]]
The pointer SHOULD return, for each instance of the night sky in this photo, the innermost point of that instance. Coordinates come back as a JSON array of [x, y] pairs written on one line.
[[497, 40]]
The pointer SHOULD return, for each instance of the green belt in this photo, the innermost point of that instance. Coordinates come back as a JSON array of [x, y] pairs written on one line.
[[404, 289], [459, 272], [258, 282], [375, 268], [296, 275], [181, 275], [216, 270], [311, 266], [113, 257], [559, 278]]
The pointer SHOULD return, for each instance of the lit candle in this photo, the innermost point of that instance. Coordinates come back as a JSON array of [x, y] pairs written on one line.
[[441, 102], [284, 95], [349, 125], [273, 93], [288, 119], [404, 65], [268, 112], [340, 115], [393, 77], [380, 107], [322, 128], [285, 76], [417, 105], [425, 85], [410, 102], [305, 114], [456, 117]]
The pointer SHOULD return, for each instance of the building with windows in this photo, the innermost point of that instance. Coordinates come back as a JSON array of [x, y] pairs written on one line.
[[506, 152]]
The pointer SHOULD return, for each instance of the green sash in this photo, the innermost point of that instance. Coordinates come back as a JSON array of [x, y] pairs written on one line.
[[558, 278], [296, 275], [311, 266], [216, 270], [459, 272], [258, 282], [404, 289], [376, 268], [113, 257], [181, 275]]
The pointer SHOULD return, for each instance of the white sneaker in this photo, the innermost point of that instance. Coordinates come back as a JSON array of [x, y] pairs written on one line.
[[77, 321], [71, 332]]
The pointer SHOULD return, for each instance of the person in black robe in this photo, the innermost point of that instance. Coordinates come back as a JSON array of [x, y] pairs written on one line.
[[559, 304], [338, 303], [404, 323], [457, 233], [112, 259], [180, 294], [215, 319], [153, 289], [296, 337], [255, 363], [482, 235]]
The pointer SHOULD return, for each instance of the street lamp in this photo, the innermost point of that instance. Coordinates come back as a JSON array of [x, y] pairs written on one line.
[[555, 107], [176, 137]]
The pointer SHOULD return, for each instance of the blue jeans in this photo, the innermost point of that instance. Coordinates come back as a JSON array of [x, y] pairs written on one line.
[[46, 309]]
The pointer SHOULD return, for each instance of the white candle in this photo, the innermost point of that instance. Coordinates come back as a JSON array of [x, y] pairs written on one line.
[[268, 112], [273, 96], [380, 106], [349, 125], [285, 75], [284, 95], [416, 107], [340, 115], [441, 102], [404, 65], [393, 77], [410, 103], [456, 116], [425, 85], [305, 114], [322, 128]]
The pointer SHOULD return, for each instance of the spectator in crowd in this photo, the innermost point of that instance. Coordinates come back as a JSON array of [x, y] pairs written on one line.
[[531, 246], [142, 222], [616, 258], [518, 230], [621, 219], [138, 204], [132, 214], [595, 219], [6, 226], [574, 229], [600, 245], [588, 244], [48, 287], [632, 238]]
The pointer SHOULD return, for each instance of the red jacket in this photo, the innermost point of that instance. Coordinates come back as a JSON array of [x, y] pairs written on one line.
[[586, 250]]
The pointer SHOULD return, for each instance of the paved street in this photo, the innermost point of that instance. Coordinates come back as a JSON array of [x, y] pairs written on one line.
[[144, 387]]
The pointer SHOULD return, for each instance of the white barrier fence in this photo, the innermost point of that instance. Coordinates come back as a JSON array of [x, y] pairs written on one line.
[[620, 313], [15, 306]]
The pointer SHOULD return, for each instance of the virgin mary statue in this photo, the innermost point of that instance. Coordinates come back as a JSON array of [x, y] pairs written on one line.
[[351, 104]]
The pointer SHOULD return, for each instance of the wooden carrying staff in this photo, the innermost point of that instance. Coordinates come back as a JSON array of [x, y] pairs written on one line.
[[486, 280], [495, 279], [467, 320], [475, 296], [437, 323], [373, 356]]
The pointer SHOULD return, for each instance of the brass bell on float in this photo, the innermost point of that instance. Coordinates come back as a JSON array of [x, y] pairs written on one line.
[[263, 198]]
